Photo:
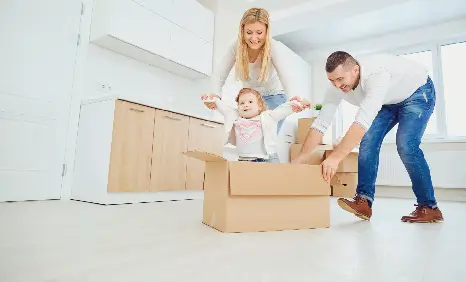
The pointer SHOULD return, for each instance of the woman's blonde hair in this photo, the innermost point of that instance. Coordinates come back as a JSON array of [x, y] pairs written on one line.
[[260, 101], [253, 15]]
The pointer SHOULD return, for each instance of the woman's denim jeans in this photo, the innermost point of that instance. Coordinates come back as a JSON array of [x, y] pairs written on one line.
[[272, 101], [412, 115], [272, 159]]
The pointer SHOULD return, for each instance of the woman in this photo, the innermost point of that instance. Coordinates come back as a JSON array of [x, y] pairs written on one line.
[[261, 63]]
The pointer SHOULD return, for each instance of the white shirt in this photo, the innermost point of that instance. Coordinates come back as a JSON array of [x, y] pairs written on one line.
[[384, 80], [268, 121], [285, 64], [249, 138]]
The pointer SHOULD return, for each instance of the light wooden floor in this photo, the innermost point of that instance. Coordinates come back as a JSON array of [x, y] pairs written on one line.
[[72, 241]]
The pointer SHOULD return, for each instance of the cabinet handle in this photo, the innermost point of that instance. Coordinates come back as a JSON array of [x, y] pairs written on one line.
[[136, 110], [173, 118], [208, 125]]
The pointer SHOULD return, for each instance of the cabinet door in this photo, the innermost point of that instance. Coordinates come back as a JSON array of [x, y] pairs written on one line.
[[192, 16], [170, 140], [203, 136], [189, 50], [141, 27], [130, 158]]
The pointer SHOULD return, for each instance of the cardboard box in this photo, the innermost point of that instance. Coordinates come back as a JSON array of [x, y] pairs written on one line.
[[250, 197], [348, 164], [344, 184], [304, 125], [321, 152], [316, 158]]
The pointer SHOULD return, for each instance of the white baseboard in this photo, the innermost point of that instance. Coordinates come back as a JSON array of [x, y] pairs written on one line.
[[441, 194]]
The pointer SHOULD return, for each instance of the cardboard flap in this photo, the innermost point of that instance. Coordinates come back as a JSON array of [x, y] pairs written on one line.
[[342, 178], [204, 156], [275, 179]]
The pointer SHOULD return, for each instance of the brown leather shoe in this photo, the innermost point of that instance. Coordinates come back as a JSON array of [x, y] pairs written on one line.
[[424, 214], [358, 206]]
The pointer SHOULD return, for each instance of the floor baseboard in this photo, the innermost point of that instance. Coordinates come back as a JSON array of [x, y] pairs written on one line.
[[441, 194]]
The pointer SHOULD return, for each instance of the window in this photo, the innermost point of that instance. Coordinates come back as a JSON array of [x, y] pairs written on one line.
[[453, 60], [446, 120]]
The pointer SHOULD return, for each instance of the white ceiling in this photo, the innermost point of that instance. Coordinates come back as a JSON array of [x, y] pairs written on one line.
[[273, 5], [407, 14]]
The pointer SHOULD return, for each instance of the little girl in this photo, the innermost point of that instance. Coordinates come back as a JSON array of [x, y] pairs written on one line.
[[250, 127]]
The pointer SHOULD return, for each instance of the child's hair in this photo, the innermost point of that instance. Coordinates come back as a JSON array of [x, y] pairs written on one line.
[[260, 101]]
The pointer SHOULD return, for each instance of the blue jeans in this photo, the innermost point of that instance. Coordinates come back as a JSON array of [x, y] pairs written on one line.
[[272, 159], [412, 115], [273, 101]]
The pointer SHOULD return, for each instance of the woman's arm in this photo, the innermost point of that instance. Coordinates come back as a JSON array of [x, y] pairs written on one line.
[[220, 74], [222, 70], [292, 70]]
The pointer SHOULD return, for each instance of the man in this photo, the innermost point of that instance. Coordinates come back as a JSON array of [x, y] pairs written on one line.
[[388, 90]]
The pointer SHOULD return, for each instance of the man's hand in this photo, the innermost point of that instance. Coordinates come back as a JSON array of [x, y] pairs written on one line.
[[210, 105], [299, 160], [329, 168]]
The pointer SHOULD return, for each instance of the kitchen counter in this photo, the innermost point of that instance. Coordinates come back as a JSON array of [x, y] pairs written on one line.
[[149, 104]]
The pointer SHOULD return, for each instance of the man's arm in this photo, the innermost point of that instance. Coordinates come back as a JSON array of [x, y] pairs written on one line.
[[319, 126], [313, 139], [376, 89]]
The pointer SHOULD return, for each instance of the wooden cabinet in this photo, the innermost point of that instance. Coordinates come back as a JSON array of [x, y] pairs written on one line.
[[170, 141], [147, 146], [203, 136], [130, 158]]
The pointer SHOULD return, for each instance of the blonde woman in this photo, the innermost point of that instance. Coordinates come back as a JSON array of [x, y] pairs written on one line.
[[261, 63]]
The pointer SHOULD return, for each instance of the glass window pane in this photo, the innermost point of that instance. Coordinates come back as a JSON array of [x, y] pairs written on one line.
[[453, 61]]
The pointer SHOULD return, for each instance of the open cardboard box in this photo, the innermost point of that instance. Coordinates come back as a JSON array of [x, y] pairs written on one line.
[[249, 197], [320, 153], [316, 158], [349, 163], [304, 125], [344, 184]]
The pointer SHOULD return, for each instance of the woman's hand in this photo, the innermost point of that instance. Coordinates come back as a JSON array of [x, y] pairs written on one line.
[[208, 104]]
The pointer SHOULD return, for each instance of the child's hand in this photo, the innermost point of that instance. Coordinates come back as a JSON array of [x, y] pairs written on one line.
[[305, 103], [296, 106], [208, 98]]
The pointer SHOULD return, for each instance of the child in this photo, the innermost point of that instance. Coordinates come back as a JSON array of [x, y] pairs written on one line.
[[250, 127]]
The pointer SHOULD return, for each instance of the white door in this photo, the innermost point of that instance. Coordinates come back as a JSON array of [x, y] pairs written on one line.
[[38, 45]]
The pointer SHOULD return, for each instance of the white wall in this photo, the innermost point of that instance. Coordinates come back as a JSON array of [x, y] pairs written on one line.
[[386, 43], [126, 77]]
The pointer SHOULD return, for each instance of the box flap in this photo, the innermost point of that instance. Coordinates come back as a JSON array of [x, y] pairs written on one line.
[[344, 179], [204, 156], [275, 179]]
